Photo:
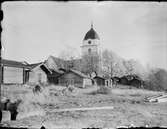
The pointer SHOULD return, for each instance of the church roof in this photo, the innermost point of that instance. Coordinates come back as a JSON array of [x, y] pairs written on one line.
[[91, 34]]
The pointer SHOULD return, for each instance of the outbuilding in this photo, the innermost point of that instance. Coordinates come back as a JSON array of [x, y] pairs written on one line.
[[14, 72], [99, 81], [53, 78], [124, 80], [76, 78], [39, 73]]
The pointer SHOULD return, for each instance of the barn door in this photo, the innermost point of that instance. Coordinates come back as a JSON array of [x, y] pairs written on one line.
[[70, 82]]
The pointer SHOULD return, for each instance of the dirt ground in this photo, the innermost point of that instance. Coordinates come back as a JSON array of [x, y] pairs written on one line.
[[129, 109]]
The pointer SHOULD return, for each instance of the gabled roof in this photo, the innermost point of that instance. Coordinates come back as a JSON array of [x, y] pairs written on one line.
[[63, 70], [13, 63], [42, 66], [76, 72], [57, 71], [130, 77], [45, 69], [35, 65], [57, 62], [79, 73], [99, 77]]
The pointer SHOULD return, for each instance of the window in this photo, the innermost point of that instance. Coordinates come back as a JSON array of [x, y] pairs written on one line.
[[89, 42]]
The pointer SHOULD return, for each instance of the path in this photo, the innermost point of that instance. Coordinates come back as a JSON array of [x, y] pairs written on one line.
[[82, 109]]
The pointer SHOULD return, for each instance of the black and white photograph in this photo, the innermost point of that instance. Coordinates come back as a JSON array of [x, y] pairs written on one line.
[[85, 64]]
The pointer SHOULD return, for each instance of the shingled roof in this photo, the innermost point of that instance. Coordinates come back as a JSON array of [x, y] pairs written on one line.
[[34, 65], [55, 63], [79, 73]]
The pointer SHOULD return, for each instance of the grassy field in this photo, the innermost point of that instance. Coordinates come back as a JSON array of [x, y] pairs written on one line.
[[129, 107]]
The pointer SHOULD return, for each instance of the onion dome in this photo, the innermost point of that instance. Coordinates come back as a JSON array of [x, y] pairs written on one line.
[[91, 34]]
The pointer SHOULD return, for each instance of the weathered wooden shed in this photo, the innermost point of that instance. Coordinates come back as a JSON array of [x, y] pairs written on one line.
[[133, 80], [124, 80], [53, 78], [14, 72], [39, 73], [100, 81], [136, 83], [75, 78]]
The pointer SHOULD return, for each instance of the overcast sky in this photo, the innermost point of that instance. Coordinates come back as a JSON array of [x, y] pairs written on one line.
[[34, 30]]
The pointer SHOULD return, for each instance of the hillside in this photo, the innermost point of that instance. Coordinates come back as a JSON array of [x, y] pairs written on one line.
[[47, 108]]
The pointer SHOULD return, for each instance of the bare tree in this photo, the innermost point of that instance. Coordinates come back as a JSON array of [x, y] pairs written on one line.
[[135, 67], [108, 62], [69, 55], [113, 65], [129, 65], [90, 63]]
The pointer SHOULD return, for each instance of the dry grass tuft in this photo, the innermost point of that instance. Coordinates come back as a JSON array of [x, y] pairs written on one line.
[[27, 109], [101, 90], [32, 103]]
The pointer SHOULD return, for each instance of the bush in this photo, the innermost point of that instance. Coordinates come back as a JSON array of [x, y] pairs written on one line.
[[157, 80]]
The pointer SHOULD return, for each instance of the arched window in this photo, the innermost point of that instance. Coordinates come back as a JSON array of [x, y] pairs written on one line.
[[89, 50]]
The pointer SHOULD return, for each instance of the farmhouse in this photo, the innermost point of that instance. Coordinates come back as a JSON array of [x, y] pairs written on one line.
[[75, 78], [14, 72]]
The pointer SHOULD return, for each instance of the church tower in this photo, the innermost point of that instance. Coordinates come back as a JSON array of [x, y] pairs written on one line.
[[91, 57], [91, 42]]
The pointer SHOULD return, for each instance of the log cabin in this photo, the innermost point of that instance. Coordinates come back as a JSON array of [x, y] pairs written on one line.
[[76, 78]]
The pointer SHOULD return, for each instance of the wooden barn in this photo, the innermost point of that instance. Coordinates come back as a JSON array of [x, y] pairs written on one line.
[[14, 72], [53, 78], [124, 80], [39, 73], [99, 81], [133, 80], [136, 83], [75, 78]]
